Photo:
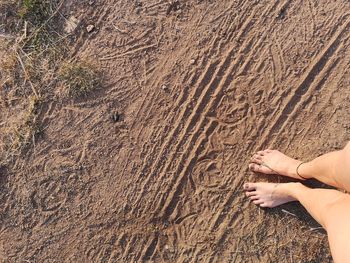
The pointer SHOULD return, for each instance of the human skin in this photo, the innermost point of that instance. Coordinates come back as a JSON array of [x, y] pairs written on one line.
[[331, 208]]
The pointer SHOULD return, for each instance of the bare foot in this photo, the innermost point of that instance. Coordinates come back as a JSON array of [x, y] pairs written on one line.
[[274, 162], [268, 194]]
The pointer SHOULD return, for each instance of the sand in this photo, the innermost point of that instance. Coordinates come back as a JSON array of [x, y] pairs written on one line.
[[198, 86]]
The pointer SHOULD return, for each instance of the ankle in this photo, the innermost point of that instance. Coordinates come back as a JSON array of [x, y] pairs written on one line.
[[301, 170], [294, 169], [292, 189]]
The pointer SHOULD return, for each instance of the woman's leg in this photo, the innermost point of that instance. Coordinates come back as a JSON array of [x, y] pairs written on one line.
[[330, 208], [332, 168]]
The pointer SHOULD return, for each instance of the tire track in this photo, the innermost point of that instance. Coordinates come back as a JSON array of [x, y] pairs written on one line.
[[149, 249], [169, 204], [218, 219], [129, 248], [216, 47], [185, 94], [305, 86], [217, 42], [323, 105], [191, 122], [158, 132], [186, 111], [212, 48], [283, 94]]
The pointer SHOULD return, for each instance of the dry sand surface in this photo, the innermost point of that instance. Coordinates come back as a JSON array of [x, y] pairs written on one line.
[[199, 86]]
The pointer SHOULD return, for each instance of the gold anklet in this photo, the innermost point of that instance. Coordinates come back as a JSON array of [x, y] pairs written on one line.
[[298, 171]]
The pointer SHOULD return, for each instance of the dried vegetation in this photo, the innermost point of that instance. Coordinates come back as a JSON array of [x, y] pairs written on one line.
[[34, 63], [79, 78]]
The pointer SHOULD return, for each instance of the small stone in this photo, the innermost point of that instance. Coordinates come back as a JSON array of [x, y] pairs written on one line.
[[91, 3], [164, 87], [90, 28], [192, 61]]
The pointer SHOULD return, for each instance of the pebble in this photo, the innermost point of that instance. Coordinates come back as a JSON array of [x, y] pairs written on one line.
[[90, 28]]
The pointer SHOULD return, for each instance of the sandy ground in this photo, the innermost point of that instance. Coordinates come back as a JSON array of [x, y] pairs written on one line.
[[199, 85]]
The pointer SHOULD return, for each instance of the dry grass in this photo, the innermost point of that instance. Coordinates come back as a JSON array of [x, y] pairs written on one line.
[[14, 14], [21, 132], [35, 11], [29, 54], [8, 15], [9, 69], [79, 78], [31, 67]]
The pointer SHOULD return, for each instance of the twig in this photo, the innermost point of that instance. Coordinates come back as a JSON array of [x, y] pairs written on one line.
[[120, 30], [315, 228], [26, 74], [6, 36], [25, 29], [300, 131], [129, 52], [288, 213]]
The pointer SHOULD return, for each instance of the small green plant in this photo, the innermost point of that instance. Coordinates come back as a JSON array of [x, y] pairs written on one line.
[[79, 78]]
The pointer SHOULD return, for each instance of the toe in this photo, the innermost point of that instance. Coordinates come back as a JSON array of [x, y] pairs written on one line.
[[257, 159], [255, 167], [249, 186], [260, 168], [258, 202], [250, 193], [254, 197]]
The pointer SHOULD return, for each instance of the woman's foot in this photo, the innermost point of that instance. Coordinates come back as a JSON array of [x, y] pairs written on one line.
[[275, 162], [268, 194]]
